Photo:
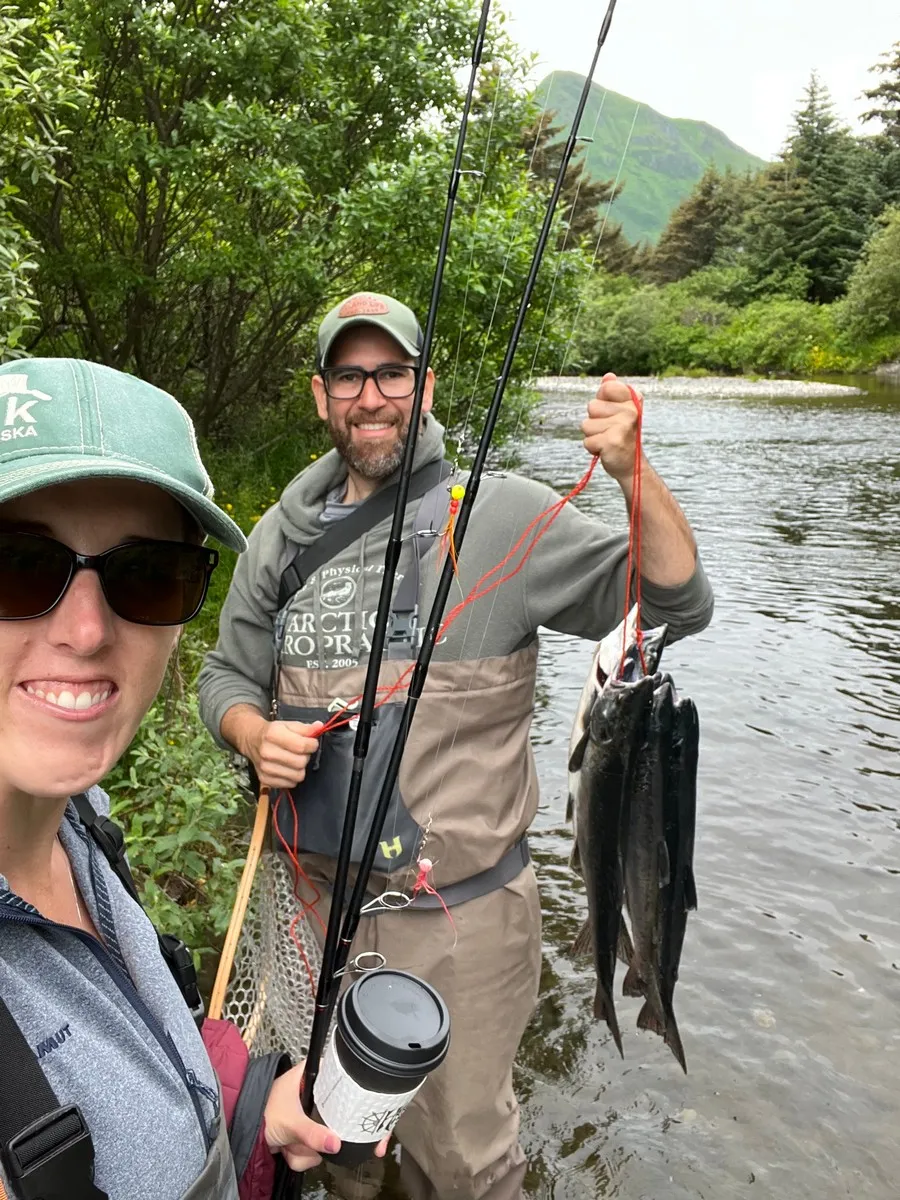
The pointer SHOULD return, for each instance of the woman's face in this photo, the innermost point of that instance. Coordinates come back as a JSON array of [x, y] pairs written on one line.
[[54, 741]]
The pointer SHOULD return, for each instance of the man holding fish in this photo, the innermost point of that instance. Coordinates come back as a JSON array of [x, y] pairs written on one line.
[[468, 786]]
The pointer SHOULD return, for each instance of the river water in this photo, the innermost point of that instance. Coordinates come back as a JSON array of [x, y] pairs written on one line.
[[789, 995]]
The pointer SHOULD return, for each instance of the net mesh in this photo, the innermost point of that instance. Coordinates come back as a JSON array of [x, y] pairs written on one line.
[[270, 997]]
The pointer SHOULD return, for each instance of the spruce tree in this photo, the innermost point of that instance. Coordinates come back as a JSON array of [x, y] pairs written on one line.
[[886, 96], [816, 207], [886, 110], [700, 227], [584, 202]]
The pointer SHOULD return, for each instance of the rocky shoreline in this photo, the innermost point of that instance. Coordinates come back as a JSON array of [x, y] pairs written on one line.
[[725, 387]]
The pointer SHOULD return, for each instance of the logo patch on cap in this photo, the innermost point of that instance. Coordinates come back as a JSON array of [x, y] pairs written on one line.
[[363, 305], [19, 420]]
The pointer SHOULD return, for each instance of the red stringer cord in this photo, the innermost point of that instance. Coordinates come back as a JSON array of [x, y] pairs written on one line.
[[634, 541]]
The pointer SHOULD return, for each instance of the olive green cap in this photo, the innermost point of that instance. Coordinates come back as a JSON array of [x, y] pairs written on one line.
[[63, 419], [371, 308]]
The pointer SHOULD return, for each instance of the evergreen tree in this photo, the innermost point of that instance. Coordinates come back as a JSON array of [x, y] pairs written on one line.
[[700, 227], [886, 96], [585, 203], [816, 206], [886, 110]]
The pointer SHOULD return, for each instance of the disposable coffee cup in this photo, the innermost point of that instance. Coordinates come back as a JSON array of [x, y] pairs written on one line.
[[392, 1030]]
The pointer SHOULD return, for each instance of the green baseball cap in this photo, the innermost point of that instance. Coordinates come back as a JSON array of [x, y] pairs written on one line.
[[64, 418], [371, 308]]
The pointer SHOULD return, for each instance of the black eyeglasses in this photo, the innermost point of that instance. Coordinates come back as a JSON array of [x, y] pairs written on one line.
[[146, 582], [395, 381]]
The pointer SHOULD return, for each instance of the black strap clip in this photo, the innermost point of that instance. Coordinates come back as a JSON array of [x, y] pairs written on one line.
[[110, 838], [181, 963], [53, 1159]]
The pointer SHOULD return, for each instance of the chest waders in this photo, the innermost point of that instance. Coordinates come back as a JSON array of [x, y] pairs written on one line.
[[314, 819], [46, 1148]]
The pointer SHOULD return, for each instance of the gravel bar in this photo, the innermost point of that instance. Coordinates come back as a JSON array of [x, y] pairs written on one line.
[[726, 387]]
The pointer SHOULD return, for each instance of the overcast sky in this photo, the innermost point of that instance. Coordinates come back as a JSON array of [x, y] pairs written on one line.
[[739, 65]]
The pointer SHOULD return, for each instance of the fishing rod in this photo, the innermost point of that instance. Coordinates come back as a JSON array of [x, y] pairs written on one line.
[[432, 628], [326, 992]]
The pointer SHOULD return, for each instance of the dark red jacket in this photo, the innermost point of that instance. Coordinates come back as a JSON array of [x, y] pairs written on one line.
[[246, 1083]]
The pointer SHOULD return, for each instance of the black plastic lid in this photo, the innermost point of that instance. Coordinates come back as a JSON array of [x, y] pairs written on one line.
[[395, 1022]]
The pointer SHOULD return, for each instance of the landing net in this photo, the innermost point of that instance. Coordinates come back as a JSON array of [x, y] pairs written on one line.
[[269, 996]]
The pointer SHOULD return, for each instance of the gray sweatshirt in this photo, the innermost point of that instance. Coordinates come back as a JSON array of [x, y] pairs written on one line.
[[574, 582], [111, 1030]]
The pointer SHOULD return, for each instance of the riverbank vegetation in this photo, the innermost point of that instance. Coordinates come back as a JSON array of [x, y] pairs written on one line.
[[794, 269]]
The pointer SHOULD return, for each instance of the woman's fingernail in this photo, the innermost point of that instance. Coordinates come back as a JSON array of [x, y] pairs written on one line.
[[332, 1143]]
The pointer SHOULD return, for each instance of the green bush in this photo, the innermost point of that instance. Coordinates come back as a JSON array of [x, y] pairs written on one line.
[[772, 336], [872, 306], [185, 822]]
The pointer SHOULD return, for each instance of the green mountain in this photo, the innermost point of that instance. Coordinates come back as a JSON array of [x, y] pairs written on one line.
[[666, 156]]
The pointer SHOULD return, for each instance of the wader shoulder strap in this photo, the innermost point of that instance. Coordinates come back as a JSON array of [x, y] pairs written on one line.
[[111, 841], [339, 536], [46, 1147]]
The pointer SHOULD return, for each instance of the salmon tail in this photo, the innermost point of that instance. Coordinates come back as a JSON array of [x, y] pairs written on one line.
[[690, 889], [650, 1019], [584, 939], [605, 1008], [673, 1041], [634, 984], [666, 1027]]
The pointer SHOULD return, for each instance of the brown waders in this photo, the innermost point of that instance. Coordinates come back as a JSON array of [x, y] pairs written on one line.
[[459, 1136]]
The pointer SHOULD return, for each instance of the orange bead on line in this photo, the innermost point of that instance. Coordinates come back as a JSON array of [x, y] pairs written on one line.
[[448, 543]]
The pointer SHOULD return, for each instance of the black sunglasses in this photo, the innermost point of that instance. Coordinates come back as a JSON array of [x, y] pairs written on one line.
[[146, 582]]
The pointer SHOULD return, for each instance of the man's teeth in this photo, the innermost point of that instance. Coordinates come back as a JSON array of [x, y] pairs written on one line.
[[378, 425], [67, 699]]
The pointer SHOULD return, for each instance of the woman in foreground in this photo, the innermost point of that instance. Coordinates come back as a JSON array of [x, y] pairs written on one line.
[[104, 507]]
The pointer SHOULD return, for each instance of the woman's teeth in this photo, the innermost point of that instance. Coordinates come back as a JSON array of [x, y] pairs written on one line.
[[67, 699]]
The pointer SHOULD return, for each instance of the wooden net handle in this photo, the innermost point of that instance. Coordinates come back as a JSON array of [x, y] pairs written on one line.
[[226, 961]]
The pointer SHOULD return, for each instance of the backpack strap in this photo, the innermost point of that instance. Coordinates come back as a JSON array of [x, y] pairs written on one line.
[[45, 1147], [110, 839], [339, 536]]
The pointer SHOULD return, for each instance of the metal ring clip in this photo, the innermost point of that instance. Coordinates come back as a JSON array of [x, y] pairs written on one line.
[[398, 900]]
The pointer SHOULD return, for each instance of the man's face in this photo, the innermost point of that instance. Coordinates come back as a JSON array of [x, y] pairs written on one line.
[[369, 431]]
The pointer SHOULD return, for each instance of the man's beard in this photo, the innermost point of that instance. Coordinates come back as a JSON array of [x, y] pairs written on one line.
[[374, 461]]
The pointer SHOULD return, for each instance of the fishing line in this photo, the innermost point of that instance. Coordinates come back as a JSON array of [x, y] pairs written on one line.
[[522, 405], [475, 217], [581, 302], [509, 252], [434, 623], [562, 250], [326, 992]]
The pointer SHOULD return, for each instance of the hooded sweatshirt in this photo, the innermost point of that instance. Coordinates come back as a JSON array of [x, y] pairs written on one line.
[[468, 774]]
